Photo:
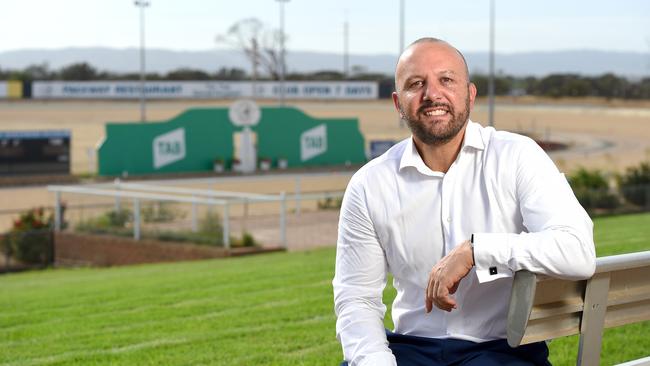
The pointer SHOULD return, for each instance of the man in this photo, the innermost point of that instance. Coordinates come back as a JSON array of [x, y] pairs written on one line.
[[452, 213]]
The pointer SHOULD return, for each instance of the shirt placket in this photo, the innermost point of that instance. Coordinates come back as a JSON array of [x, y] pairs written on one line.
[[446, 218]]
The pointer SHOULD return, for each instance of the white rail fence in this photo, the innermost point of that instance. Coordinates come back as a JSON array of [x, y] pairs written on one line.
[[268, 219]]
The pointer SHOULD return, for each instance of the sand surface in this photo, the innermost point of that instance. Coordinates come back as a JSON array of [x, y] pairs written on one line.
[[625, 126], [607, 136]]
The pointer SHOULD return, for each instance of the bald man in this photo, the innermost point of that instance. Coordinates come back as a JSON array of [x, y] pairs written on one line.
[[452, 212]]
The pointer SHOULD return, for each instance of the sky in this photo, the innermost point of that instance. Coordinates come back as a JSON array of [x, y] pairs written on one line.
[[521, 25]]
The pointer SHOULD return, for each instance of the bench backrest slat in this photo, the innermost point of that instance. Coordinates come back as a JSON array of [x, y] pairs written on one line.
[[543, 308]]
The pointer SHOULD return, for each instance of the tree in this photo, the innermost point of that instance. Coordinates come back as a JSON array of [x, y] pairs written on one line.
[[327, 75], [609, 85], [79, 71], [260, 44], [233, 73], [561, 85], [30, 73], [635, 184], [638, 90], [502, 84], [592, 189], [187, 74], [38, 72]]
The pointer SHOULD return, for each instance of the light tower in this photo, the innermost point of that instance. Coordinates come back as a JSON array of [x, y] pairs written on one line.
[[401, 27], [142, 4], [282, 51], [491, 77], [346, 43]]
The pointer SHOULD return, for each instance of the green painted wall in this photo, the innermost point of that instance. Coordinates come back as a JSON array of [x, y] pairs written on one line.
[[192, 141]]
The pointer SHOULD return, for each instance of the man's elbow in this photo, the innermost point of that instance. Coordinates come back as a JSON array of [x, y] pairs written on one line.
[[578, 256], [584, 264], [586, 268]]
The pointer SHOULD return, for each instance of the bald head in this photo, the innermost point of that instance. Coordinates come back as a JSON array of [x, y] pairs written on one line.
[[433, 93], [418, 48]]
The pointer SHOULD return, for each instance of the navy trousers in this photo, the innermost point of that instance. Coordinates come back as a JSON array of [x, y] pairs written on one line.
[[419, 351]]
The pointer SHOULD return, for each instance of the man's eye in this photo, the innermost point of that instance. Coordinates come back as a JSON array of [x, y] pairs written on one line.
[[446, 80], [417, 83]]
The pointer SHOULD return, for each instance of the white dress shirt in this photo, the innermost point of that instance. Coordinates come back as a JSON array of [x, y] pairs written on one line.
[[399, 216]]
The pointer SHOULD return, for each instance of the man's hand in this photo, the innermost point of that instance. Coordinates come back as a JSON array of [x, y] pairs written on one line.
[[446, 275]]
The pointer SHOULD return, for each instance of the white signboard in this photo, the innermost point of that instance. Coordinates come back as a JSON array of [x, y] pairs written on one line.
[[204, 89], [313, 142], [168, 148], [3, 89]]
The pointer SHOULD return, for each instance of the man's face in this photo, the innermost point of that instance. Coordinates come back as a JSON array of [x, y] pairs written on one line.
[[433, 95]]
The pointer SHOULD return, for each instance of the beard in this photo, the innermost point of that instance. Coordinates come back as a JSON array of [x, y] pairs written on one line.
[[427, 133]]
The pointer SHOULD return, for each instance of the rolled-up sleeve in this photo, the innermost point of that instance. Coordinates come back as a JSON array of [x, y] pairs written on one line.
[[358, 284], [559, 234]]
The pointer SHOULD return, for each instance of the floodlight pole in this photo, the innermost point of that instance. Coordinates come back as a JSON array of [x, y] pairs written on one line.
[[401, 27], [255, 63], [346, 54], [282, 51], [401, 44], [491, 77], [142, 4]]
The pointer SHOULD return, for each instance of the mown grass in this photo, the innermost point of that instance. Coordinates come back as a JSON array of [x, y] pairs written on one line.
[[273, 309]]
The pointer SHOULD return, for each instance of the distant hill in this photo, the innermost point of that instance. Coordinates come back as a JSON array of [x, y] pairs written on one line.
[[585, 62]]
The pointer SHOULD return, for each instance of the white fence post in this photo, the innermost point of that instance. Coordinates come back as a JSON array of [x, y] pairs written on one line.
[[283, 220], [57, 211], [136, 219], [245, 221], [118, 205], [226, 226], [195, 225], [297, 193]]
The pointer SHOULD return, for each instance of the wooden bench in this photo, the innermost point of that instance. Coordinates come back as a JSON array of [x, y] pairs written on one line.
[[543, 308]]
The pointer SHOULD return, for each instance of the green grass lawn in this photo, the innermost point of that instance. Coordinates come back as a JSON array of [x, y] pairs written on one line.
[[273, 309]]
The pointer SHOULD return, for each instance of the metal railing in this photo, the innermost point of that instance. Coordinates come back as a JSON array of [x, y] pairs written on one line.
[[193, 197], [297, 184], [135, 193]]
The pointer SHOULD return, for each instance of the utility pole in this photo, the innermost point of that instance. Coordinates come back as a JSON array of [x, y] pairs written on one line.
[[491, 78], [346, 44], [255, 63], [282, 51], [401, 27], [143, 115], [401, 44]]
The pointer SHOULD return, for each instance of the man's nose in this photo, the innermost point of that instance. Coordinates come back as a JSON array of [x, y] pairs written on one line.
[[431, 91]]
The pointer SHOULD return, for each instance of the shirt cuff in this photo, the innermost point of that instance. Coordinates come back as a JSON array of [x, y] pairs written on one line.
[[491, 256], [378, 359]]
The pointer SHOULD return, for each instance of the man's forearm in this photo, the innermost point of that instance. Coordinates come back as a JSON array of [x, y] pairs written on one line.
[[554, 252]]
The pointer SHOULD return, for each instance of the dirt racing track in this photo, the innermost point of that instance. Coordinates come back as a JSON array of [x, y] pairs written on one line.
[[608, 137]]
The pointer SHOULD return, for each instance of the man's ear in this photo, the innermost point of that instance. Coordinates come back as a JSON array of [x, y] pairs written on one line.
[[472, 94], [396, 103]]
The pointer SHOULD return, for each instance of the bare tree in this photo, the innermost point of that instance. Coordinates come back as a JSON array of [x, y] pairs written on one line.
[[260, 44]]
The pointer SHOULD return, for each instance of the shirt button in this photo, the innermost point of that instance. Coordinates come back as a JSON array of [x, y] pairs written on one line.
[[448, 219]]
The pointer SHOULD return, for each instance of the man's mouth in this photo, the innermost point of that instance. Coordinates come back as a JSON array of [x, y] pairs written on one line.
[[435, 112], [435, 109]]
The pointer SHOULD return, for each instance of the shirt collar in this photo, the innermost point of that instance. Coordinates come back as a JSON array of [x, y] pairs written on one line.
[[412, 158], [473, 137]]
